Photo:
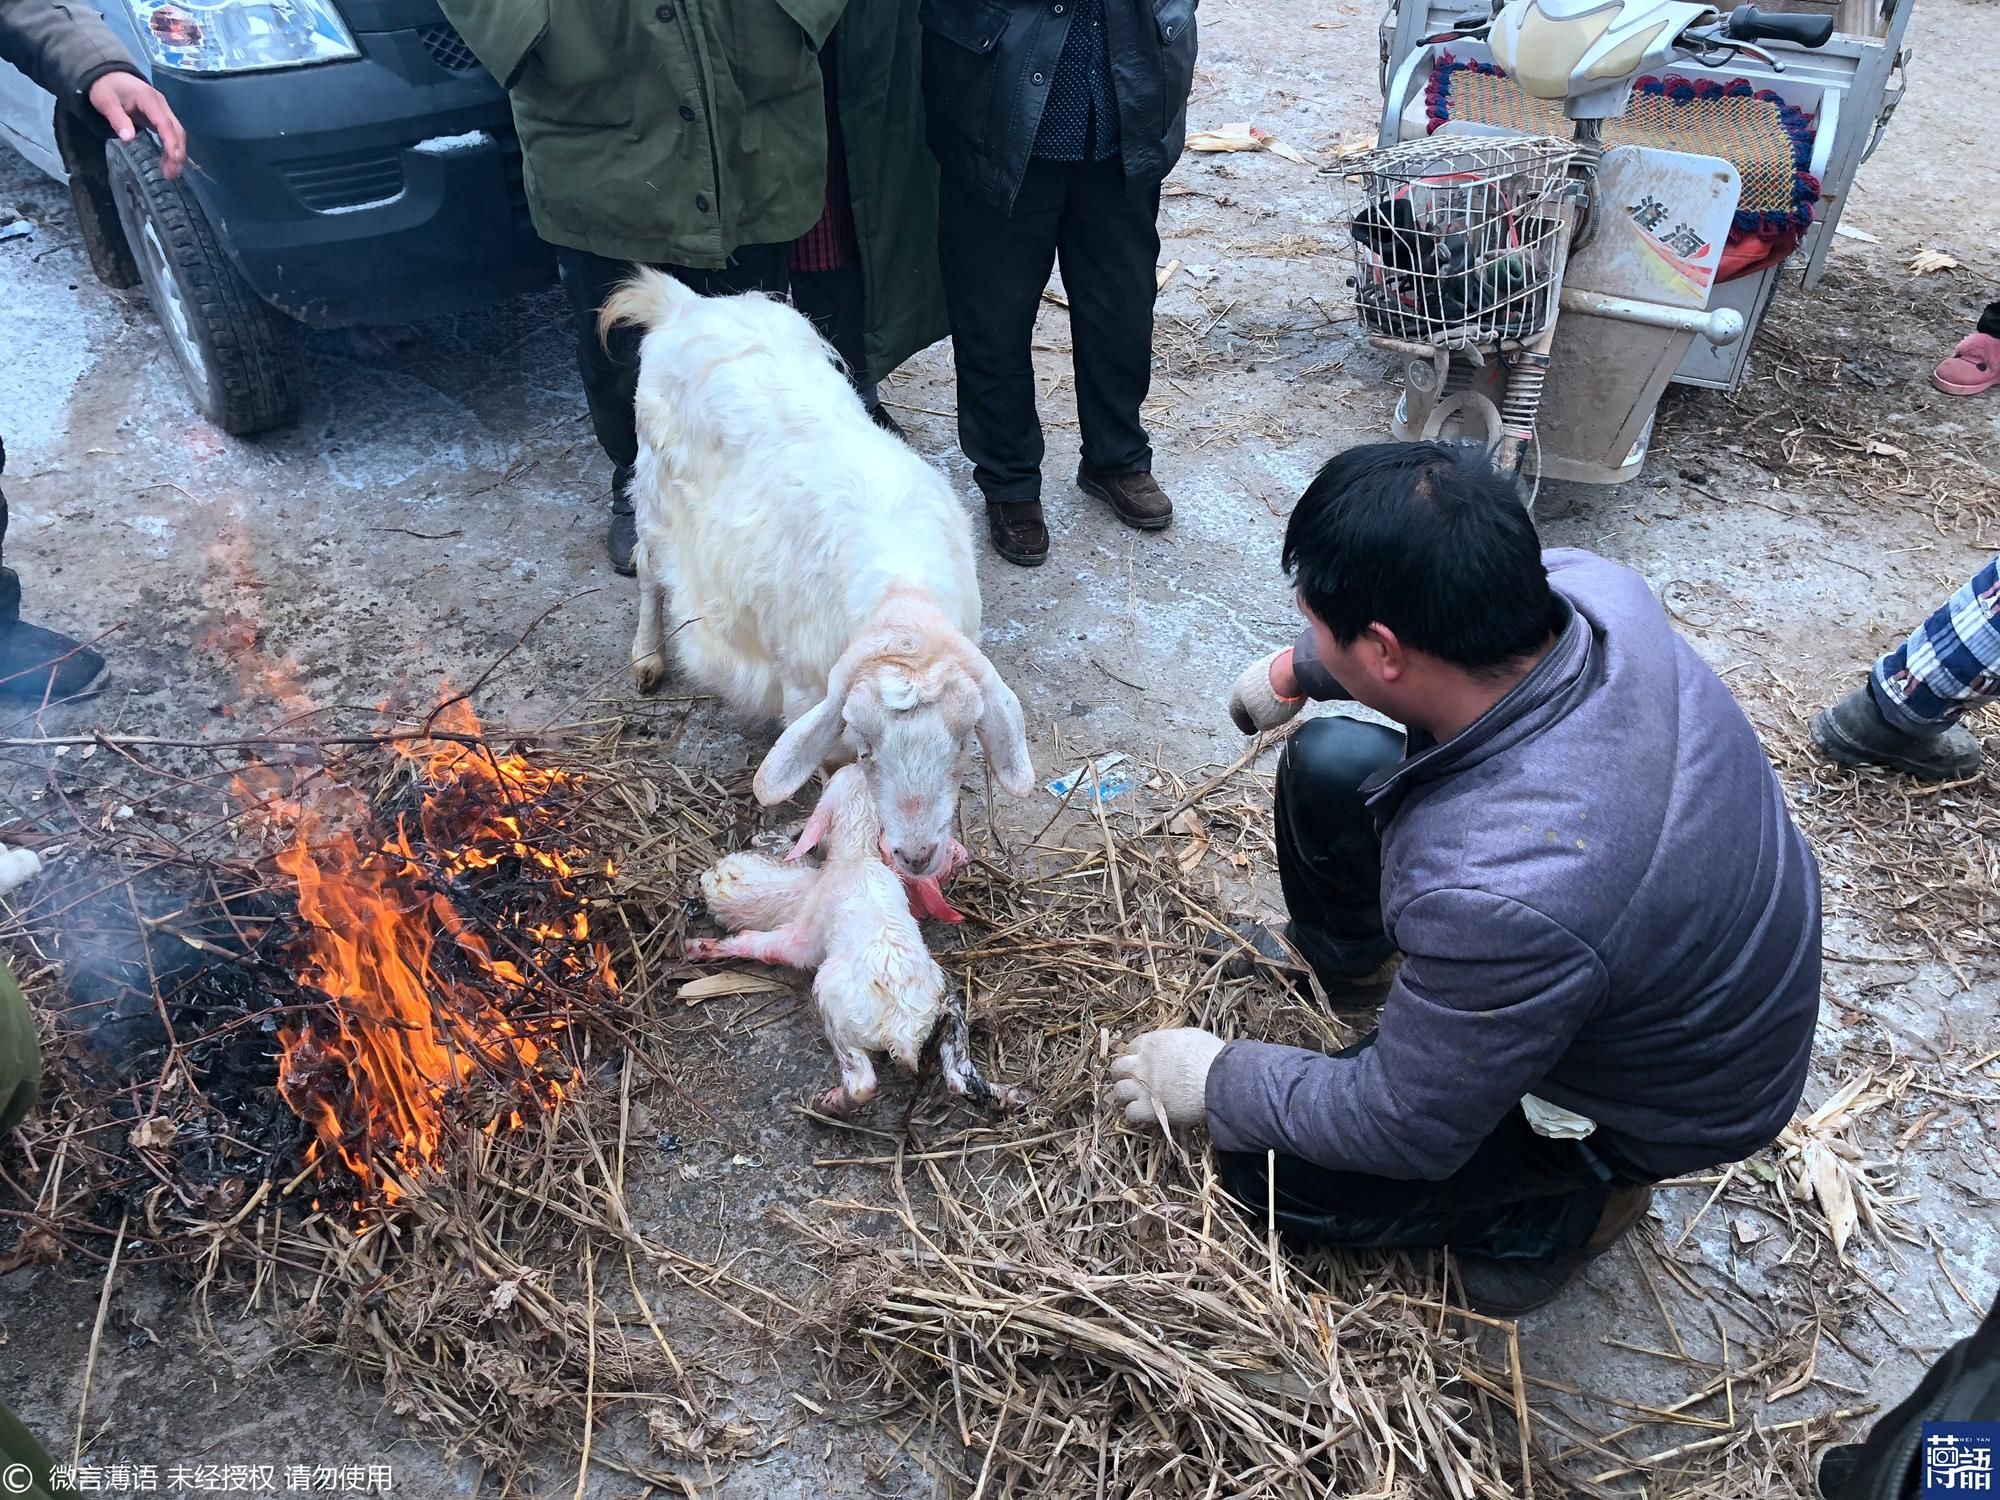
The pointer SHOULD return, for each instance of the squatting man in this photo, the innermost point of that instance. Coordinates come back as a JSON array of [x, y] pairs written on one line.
[[1603, 925]]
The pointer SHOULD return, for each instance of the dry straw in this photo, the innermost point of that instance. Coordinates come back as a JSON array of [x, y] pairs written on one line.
[[1057, 1306]]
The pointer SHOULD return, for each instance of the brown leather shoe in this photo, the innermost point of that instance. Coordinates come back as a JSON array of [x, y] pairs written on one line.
[[1137, 499], [1019, 533], [1509, 1288]]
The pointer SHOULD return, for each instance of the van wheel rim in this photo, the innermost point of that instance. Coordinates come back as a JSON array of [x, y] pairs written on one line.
[[171, 302]]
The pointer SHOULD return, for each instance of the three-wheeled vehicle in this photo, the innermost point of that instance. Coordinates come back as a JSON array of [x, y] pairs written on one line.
[[1574, 203]]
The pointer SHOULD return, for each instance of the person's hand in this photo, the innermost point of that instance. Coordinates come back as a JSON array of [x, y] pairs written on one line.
[[1267, 694], [1163, 1076], [120, 97]]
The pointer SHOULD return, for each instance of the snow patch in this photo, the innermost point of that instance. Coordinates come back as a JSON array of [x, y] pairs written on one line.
[[355, 208], [449, 145]]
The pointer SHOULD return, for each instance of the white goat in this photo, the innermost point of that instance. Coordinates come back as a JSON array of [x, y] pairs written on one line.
[[876, 984], [818, 570]]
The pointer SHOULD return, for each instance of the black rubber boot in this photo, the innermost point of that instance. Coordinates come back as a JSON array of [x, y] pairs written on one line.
[[882, 418], [1509, 1288], [1855, 733], [623, 537], [38, 665]]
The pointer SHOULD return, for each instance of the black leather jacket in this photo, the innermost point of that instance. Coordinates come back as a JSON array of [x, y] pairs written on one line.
[[987, 69]]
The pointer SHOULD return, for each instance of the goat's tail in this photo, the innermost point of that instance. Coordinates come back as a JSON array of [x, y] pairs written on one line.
[[647, 300]]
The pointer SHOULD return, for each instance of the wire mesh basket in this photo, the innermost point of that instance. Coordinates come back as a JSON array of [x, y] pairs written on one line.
[[1458, 240]]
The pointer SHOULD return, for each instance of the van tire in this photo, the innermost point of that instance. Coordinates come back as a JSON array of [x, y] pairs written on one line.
[[243, 360]]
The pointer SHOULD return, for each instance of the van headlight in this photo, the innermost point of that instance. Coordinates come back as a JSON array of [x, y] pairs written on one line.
[[241, 36]]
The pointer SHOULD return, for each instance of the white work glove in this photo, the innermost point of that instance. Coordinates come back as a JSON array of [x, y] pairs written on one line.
[[17, 867], [1255, 704], [1163, 1076]]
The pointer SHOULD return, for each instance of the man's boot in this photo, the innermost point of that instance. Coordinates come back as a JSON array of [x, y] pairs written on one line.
[[1136, 499], [623, 537], [1855, 733], [1020, 533], [38, 665], [1509, 1288]]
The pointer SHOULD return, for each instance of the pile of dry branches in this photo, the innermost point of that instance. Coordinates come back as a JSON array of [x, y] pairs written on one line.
[[502, 1301], [1080, 1306]]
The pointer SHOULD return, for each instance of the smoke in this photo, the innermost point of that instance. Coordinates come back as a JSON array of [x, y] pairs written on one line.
[[168, 993]]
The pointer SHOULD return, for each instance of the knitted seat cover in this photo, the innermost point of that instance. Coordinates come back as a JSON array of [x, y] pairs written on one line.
[[1768, 141]]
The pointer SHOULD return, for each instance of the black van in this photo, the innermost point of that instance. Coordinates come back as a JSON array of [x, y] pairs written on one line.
[[349, 161]]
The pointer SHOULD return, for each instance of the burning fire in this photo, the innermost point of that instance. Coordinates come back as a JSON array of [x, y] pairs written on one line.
[[444, 947]]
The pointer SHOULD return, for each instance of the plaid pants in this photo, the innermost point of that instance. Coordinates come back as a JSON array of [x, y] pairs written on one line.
[[1949, 664]]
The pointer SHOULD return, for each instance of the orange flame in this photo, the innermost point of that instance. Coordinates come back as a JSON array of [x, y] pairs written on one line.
[[424, 1038]]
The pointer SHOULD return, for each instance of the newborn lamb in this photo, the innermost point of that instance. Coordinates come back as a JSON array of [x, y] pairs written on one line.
[[877, 986]]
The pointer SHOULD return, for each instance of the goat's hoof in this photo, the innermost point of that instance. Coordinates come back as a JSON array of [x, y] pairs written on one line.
[[703, 950], [649, 672], [995, 1098], [836, 1102]]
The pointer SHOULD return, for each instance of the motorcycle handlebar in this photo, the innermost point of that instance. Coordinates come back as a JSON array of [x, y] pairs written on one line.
[[1746, 23]]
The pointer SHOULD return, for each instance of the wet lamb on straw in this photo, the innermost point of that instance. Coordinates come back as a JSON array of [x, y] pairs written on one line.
[[877, 987]]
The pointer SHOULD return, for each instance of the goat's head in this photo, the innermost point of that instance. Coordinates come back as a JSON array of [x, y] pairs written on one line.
[[904, 704]]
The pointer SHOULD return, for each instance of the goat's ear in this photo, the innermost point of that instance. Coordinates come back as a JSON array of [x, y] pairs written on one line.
[[1003, 734], [816, 827], [843, 785], [800, 751], [804, 747]]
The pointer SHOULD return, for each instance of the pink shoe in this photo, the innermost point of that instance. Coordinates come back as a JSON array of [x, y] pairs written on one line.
[[1974, 366]]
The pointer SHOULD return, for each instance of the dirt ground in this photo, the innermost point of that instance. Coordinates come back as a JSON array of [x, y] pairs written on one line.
[[442, 491]]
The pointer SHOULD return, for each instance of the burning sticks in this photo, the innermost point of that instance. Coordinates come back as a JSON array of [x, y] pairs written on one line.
[[443, 955]]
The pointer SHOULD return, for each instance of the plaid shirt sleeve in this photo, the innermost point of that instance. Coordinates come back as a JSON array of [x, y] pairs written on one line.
[[1950, 663]]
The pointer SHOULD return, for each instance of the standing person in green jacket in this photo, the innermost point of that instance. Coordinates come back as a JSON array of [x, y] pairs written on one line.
[[690, 135], [875, 246]]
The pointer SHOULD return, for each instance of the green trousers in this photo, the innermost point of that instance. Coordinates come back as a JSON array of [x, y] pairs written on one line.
[[19, 1451], [20, 1054], [20, 1083]]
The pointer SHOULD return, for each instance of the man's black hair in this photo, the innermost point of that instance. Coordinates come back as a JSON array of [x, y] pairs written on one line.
[[1429, 540]]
